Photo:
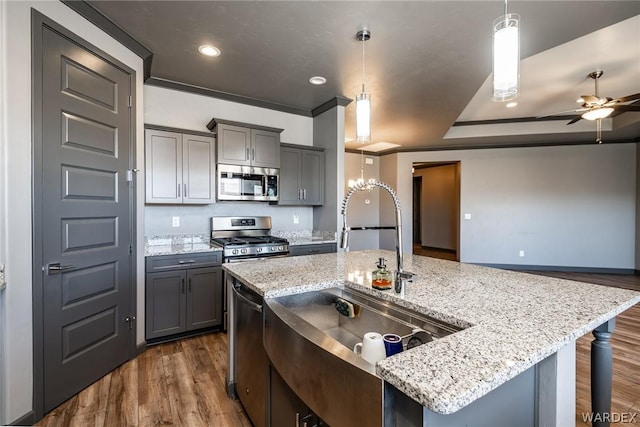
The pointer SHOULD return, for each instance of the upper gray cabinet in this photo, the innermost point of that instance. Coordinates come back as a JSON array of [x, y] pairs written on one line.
[[179, 167], [301, 176], [247, 145]]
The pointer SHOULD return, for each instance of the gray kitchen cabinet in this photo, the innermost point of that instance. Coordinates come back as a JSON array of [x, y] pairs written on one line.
[[183, 293], [312, 249], [302, 176], [246, 145], [179, 167]]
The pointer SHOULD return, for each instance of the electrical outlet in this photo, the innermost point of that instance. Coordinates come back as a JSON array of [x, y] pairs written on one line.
[[367, 201], [296, 218], [175, 221], [521, 253], [467, 216]]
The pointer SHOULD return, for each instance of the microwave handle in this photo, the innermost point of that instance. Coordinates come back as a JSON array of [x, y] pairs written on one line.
[[265, 182]]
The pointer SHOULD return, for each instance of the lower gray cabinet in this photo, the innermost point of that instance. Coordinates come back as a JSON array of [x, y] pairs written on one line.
[[182, 299], [313, 249]]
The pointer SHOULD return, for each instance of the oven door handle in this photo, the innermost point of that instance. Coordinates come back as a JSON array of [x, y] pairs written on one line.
[[245, 300]]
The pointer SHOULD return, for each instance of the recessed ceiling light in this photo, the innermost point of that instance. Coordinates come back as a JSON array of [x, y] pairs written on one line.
[[317, 80], [511, 104], [209, 50]]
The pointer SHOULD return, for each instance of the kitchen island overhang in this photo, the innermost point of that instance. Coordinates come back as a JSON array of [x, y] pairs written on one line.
[[513, 320]]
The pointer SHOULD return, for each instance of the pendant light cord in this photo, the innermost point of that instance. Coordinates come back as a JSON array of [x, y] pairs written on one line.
[[364, 38]]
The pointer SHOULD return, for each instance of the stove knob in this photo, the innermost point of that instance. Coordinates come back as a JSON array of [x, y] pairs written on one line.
[[243, 251], [258, 250], [235, 252], [272, 248], [280, 248]]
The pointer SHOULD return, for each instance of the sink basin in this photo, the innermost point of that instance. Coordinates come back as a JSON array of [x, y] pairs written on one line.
[[318, 309], [310, 344]]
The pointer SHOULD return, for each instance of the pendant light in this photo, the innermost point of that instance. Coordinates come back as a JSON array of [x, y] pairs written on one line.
[[506, 56], [363, 100]]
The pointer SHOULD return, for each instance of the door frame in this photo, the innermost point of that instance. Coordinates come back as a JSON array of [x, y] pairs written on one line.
[[38, 23]]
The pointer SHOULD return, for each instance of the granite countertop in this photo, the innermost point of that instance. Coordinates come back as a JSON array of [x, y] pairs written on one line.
[[178, 244], [191, 243], [513, 320], [306, 237]]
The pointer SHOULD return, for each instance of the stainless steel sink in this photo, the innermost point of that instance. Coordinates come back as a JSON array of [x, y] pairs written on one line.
[[318, 309], [310, 344]]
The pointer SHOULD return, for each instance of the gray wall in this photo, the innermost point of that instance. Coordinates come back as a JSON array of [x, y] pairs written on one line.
[[328, 133], [360, 212], [439, 206], [195, 219], [571, 206], [166, 107], [389, 175]]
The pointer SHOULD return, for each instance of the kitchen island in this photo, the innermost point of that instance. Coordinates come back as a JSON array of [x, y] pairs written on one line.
[[512, 322]]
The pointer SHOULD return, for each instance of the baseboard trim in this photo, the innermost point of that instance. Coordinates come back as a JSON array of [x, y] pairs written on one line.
[[27, 419], [597, 270], [140, 348]]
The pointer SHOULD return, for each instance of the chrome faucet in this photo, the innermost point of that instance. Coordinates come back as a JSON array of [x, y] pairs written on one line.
[[400, 276]]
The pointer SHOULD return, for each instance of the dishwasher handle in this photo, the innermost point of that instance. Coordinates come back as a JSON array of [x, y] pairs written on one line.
[[254, 306]]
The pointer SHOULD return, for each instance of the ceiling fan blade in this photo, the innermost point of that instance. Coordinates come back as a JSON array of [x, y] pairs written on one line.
[[562, 112], [575, 119], [626, 107], [628, 98]]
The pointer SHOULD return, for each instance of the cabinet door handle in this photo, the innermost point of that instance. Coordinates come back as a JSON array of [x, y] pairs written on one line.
[[189, 284], [183, 286], [185, 190], [297, 419], [299, 193], [304, 194], [246, 157], [187, 261], [179, 190], [253, 154]]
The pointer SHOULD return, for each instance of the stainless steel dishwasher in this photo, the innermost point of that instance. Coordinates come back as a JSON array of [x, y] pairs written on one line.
[[249, 364]]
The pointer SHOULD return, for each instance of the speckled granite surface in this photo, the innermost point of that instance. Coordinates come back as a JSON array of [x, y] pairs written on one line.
[[514, 320], [306, 237], [179, 244]]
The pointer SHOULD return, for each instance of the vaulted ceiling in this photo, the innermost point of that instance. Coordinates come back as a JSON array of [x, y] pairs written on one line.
[[427, 65]]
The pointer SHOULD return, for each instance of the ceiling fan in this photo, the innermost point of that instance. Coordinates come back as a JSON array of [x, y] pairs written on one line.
[[597, 108]]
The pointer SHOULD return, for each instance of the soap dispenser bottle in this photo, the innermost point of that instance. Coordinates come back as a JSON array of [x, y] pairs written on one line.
[[381, 278]]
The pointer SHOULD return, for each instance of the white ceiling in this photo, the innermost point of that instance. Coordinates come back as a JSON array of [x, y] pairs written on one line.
[[428, 63]]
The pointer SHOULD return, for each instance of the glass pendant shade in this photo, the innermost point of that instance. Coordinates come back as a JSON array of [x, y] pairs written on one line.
[[506, 57], [363, 117], [599, 113]]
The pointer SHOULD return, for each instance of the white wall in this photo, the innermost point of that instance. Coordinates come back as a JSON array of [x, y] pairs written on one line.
[[3, 197], [360, 212], [389, 174], [172, 108], [16, 204], [637, 266], [569, 206]]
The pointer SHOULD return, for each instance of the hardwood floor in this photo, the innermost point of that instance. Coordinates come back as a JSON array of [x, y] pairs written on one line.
[[182, 383]]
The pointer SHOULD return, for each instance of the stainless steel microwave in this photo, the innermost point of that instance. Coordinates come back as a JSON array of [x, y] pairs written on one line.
[[248, 183]]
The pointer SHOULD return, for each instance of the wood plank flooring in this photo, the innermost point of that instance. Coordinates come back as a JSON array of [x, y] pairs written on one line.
[[174, 384], [182, 383]]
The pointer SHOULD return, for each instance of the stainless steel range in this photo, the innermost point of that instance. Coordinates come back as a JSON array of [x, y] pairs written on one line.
[[246, 238]]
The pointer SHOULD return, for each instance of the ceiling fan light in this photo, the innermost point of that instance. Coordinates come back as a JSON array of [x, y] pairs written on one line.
[[598, 113], [506, 57], [363, 117]]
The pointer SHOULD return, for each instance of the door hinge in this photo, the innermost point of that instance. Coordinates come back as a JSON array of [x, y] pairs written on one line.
[[130, 320], [130, 101], [130, 249]]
